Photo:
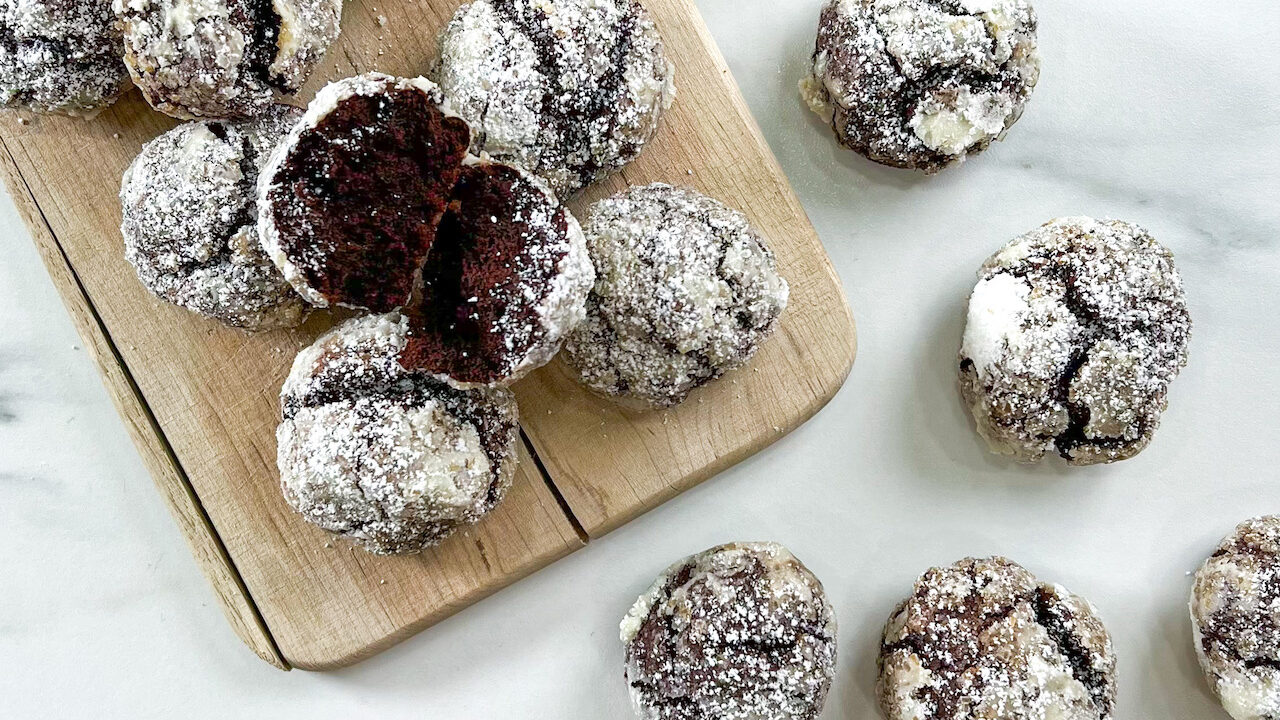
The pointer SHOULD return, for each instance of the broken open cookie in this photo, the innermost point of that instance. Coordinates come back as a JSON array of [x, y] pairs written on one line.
[[374, 202]]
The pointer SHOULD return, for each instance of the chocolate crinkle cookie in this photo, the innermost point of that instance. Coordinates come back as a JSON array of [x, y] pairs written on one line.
[[738, 632], [570, 90], [223, 58], [685, 291], [1234, 619], [374, 202], [190, 222], [392, 459], [59, 56], [983, 639], [1075, 332], [922, 84]]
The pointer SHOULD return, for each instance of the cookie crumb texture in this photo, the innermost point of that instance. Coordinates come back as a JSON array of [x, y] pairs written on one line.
[[190, 217], [922, 84], [59, 56], [1234, 621], [570, 90], [223, 58], [396, 461], [1075, 332], [739, 632], [984, 639], [506, 279], [352, 198], [685, 291]]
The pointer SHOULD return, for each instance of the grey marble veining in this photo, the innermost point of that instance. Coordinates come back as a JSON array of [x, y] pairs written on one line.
[[1161, 112]]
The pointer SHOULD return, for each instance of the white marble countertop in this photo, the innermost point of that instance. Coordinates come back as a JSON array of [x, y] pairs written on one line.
[[1162, 112]]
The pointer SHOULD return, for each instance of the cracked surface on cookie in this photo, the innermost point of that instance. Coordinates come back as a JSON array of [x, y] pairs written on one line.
[[983, 639], [1075, 332], [739, 632], [685, 290], [396, 461], [1234, 617], [570, 90], [223, 58], [59, 56], [922, 84], [189, 219]]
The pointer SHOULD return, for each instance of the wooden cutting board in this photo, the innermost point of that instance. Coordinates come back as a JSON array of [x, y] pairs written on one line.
[[200, 400]]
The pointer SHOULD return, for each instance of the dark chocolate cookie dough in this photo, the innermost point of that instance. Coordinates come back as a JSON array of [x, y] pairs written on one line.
[[373, 202]]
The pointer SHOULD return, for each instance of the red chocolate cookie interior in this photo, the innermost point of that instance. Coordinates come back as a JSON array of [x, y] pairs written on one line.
[[495, 258], [363, 192]]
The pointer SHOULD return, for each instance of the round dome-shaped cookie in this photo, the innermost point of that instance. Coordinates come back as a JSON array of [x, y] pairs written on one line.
[[189, 222], [395, 460], [1235, 623], [570, 90], [223, 58], [984, 639], [922, 84], [1075, 331], [685, 290], [505, 282], [59, 56], [738, 632], [350, 201]]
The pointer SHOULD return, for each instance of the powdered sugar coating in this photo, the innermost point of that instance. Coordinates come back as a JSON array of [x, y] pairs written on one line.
[[922, 83], [984, 639], [296, 268], [189, 222], [394, 460], [1234, 619], [570, 90], [59, 56], [1075, 332], [223, 58], [685, 290], [738, 632]]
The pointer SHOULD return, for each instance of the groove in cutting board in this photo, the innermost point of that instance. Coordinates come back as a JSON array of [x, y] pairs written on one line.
[[200, 399]]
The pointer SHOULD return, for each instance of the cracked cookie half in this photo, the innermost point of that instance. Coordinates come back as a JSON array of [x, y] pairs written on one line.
[[1075, 332], [738, 632], [685, 291], [922, 84], [984, 639], [394, 460], [1233, 616]]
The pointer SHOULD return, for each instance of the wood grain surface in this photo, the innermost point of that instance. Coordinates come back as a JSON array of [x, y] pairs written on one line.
[[200, 400]]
